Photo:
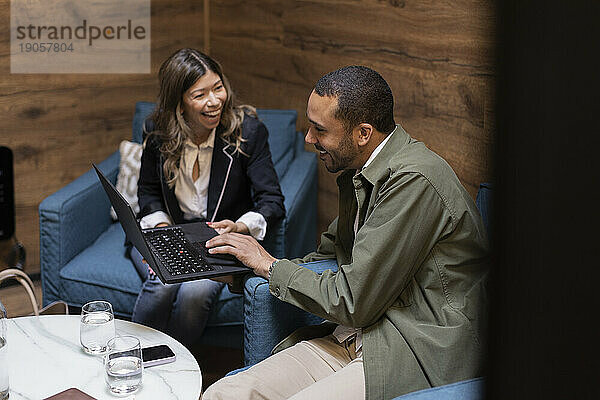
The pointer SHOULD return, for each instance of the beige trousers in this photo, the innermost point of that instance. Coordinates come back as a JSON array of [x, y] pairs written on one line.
[[316, 369]]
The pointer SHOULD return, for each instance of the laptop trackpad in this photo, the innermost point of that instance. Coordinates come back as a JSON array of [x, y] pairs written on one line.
[[223, 259], [199, 232]]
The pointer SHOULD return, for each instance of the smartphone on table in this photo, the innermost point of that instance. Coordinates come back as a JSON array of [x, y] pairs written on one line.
[[157, 355]]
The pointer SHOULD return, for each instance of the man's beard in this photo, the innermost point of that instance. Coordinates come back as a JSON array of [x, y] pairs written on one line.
[[342, 156]]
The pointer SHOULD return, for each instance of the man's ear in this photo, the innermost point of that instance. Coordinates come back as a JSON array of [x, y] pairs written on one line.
[[364, 132]]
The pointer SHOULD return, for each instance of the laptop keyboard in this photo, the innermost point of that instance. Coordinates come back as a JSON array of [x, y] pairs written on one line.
[[177, 254]]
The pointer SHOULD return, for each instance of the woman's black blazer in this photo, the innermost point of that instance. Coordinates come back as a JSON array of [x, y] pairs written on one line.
[[238, 183]]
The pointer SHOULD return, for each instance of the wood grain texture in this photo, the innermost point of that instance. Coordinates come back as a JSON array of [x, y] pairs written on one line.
[[15, 298], [58, 124], [437, 57]]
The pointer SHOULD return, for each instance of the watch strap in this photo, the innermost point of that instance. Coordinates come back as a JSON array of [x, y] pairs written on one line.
[[271, 269]]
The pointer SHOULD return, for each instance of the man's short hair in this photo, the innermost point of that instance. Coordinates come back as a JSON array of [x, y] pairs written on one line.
[[363, 97]]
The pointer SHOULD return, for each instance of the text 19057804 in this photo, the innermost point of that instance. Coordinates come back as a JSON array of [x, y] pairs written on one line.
[[45, 47]]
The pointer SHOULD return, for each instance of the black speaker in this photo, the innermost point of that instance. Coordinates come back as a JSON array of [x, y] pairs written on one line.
[[7, 194]]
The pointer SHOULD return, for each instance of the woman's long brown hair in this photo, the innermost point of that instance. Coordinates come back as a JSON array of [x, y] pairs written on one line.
[[176, 75]]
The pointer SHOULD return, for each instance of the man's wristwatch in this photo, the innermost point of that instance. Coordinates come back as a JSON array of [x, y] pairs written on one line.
[[271, 269]]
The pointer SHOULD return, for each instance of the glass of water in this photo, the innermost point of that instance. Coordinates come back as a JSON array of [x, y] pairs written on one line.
[[3, 355], [123, 365], [97, 326]]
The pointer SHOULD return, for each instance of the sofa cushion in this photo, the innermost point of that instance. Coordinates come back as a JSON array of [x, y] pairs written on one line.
[[471, 389], [143, 109], [129, 172], [102, 271], [114, 278], [281, 125], [484, 204]]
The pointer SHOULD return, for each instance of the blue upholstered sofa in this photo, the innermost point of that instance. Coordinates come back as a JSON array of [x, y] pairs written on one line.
[[268, 320], [82, 256]]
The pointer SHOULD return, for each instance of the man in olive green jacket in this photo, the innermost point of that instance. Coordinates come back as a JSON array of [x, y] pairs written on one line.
[[407, 302]]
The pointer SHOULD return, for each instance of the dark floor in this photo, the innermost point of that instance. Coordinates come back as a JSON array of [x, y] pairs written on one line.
[[214, 362]]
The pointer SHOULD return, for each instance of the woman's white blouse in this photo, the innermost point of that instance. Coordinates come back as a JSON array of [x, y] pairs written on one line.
[[193, 195]]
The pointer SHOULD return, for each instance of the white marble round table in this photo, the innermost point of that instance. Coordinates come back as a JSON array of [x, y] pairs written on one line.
[[45, 357]]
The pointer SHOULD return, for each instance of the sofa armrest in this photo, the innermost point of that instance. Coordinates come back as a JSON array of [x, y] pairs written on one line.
[[70, 220], [268, 320], [472, 389]]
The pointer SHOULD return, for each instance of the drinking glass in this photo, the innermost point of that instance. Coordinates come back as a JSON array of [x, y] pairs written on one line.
[[97, 326], [123, 365], [3, 355]]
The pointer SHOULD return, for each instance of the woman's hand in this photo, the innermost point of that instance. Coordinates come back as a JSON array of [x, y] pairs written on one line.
[[245, 248], [227, 226]]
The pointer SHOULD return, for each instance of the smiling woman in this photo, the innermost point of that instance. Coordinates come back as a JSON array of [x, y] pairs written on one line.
[[202, 106], [205, 159], [192, 83]]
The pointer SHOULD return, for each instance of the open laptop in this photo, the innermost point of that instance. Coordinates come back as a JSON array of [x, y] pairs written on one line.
[[176, 253]]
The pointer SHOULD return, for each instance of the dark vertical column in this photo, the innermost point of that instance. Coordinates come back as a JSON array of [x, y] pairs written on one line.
[[7, 194], [544, 337]]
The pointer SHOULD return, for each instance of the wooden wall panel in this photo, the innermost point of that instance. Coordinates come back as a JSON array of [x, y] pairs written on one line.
[[58, 124], [436, 55]]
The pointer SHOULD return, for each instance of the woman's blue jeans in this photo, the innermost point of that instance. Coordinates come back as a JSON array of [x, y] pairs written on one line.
[[181, 310]]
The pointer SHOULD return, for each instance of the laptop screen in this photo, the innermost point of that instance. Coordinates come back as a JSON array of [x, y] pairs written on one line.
[[126, 218]]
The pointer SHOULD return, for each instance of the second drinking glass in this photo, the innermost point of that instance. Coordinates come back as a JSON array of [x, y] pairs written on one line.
[[123, 365]]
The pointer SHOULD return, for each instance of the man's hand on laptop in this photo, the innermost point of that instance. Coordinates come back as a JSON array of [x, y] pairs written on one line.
[[228, 225], [245, 248]]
